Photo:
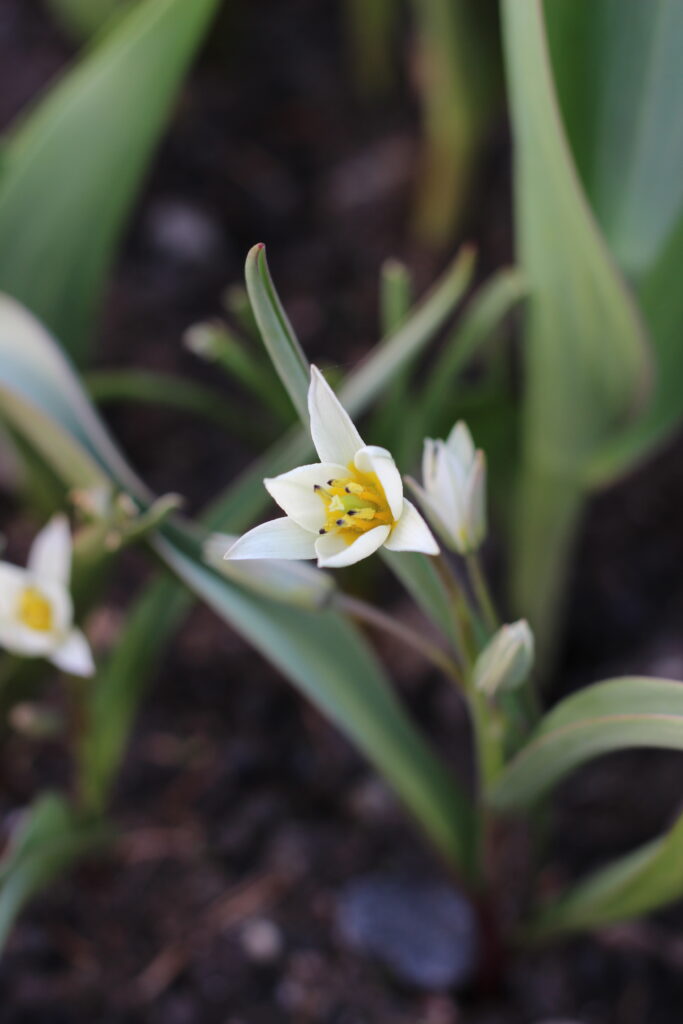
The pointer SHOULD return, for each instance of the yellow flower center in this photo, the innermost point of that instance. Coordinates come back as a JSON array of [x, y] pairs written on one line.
[[354, 505], [35, 611]]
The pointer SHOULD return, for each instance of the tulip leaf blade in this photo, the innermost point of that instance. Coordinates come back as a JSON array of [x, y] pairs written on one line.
[[72, 165], [634, 884], [50, 838], [633, 711], [587, 361], [276, 331]]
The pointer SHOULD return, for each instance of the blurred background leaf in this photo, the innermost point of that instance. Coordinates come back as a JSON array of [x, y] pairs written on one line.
[[586, 357], [73, 164], [628, 887], [617, 69]]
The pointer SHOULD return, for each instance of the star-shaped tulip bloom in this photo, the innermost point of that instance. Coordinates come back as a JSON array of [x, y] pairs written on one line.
[[36, 610], [343, 508]]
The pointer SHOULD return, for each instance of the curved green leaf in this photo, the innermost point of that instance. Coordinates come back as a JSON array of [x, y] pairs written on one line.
[[641, 881], [586, 355], [276, 330], [617, 68], [631, 712], [51, 837], [73, 164]]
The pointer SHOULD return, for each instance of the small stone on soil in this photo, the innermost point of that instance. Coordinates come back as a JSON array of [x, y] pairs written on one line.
[[424, 931]]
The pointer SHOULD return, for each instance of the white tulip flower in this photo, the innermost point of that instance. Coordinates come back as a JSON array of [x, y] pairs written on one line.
[[454, 489], [343, 508], [36, 610]]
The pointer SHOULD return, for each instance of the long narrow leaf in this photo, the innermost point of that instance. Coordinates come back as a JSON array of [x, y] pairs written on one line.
[[73, 164], [586, 357], [635, 884], [620, 713]]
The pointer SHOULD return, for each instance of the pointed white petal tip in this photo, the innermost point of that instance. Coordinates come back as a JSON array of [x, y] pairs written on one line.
[[50, 554], [74, 656], [411, 533], [332, 430]]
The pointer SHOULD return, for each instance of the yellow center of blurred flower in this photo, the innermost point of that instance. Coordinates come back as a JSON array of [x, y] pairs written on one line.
[[35, 611], [354, 505]]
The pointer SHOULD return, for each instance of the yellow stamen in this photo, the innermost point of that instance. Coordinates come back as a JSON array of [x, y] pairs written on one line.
[[354, 505], [35, 611]]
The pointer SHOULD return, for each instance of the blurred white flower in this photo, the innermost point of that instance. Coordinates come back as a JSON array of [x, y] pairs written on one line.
[[453, 491], [343, 508], [507, 659], [36, 610]]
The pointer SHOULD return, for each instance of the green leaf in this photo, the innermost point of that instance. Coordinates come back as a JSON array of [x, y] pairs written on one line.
[[321, 653], [633, 885], [166, 389], [617, 68], [72, 166], [586, 357], [458, 80], [620, 88], [51, 837], [480, 319], [630, 712], [276, 331]]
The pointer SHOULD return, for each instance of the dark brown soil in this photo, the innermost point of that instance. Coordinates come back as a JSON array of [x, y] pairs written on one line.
[[241, 813]]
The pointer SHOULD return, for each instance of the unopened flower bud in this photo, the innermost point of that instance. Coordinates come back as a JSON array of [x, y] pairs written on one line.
[[507, 660], [453, 492]]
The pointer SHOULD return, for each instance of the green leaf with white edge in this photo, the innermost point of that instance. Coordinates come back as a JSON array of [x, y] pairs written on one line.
[[38, 385], [630, 886], [634, 711], [320, 652], [73, 164], [51, 837], [276, 330], [586, 354], [619, 84]]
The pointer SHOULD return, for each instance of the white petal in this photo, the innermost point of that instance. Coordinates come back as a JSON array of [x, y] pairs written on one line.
[[50, 554], [334, 553], [429, 463], [334, 435], [448, 490], [294, 492], [372, 459], [411, 533], [280, 538], [74, 655], [475, 514], [461, 445]]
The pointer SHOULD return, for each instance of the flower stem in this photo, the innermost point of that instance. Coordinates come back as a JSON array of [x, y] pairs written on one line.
[[462, 618], [372, 616], [481, 591]]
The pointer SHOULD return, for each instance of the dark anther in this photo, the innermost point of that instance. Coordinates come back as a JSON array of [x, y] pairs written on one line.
[[322, 530]]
